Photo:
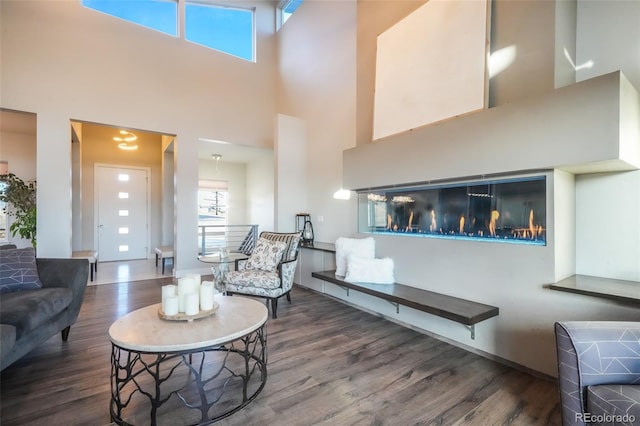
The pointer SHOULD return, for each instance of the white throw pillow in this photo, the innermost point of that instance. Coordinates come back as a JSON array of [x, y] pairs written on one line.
[[377, 271], [266, 255], [361, 247]]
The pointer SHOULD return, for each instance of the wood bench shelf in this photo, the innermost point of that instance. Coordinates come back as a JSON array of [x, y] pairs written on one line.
[[464, 311]]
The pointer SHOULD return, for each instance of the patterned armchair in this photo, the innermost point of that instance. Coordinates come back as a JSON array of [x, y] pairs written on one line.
[[269, 271], [599, 372]]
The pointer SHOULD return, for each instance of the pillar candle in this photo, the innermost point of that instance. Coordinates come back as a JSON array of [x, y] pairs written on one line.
[[206, 295], [191, 303], [169, 290], [195, 277], [170, 305], [184, 286]]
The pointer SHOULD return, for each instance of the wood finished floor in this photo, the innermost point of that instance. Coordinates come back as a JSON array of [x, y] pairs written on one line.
[[329, 363]]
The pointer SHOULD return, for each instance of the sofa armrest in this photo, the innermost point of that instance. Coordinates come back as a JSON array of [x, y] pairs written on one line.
[[594, 353], [69, 273]]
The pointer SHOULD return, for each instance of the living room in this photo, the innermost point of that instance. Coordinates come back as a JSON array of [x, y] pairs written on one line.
[[310, 96]]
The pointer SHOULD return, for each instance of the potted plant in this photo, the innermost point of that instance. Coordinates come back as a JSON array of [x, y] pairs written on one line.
[[20, 196]]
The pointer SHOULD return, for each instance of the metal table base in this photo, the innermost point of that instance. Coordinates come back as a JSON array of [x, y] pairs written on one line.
[[199, 386]]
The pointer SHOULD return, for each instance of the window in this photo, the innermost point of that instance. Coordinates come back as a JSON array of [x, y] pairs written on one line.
[[286, 9], [227, 29], [159, 15], [213, 203]]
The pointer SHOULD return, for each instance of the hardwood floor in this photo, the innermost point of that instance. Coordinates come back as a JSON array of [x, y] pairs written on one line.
[[329, 363]]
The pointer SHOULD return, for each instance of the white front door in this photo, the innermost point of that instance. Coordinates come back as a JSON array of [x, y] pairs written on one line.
[[121, 213]]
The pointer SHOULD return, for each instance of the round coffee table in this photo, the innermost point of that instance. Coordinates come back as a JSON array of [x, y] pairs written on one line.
[[180, 372]]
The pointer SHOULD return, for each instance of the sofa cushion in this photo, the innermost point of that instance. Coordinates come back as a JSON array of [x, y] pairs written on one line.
[[614, 404], [27, 310], [7, 338], [18, 270]]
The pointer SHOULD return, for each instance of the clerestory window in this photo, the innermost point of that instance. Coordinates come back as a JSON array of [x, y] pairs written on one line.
[[230, 30], [227, 29], [286, 9], [159, 15]]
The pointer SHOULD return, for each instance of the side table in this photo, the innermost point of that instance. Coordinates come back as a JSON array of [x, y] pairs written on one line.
[[220, 266]]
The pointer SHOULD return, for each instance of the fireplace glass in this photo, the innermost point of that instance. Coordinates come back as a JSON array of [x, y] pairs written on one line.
[[507, 210]]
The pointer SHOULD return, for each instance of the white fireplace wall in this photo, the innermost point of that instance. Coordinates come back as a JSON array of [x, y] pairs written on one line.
[[608, 235]]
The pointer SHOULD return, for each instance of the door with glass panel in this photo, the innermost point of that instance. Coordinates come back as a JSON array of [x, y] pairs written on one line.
[[122, 215]]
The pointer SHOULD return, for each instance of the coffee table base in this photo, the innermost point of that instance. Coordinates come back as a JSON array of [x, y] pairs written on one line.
[[197, 386]]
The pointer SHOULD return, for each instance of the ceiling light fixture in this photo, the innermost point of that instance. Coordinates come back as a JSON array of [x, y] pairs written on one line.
[[125, 140], [217, 158], [127, 147]]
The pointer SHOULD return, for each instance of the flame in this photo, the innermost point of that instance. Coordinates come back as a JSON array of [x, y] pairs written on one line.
[[433, 226], [410, 220], [461, 231], [495, 214], [532, 227]]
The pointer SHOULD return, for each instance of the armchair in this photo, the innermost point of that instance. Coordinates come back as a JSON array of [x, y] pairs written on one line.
[[599, 372], [273, 280]]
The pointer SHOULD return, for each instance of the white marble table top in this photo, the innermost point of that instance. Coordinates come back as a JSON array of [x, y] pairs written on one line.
[[215, 258], [142, 330]]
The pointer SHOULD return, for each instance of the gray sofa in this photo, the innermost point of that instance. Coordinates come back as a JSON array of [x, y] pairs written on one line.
[[599, 372], [29, 318]]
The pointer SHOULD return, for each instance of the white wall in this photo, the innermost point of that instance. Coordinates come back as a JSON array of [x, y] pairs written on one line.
[[290, 170], [260, 192], [168, 191], [88, 66], [608, 34], [528, 26], [317, 69], [608, 237]]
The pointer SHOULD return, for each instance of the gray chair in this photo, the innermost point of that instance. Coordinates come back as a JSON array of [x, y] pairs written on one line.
[[268, 284], [599, 372]]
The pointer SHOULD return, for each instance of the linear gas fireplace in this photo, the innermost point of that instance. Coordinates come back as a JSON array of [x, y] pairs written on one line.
[[509, 210]]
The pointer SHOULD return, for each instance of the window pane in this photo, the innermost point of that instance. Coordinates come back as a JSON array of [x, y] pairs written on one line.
[[159, 15], [291, 6], [225, 29], [288, 9]]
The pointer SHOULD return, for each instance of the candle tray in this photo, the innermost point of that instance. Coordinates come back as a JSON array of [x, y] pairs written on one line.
[[181, 316]]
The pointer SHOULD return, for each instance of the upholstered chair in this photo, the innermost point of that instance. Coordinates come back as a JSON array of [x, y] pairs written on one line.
[[599, 372], [270, 269]]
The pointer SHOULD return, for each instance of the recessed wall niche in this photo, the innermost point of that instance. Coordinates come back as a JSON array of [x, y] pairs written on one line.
[[511, 210]]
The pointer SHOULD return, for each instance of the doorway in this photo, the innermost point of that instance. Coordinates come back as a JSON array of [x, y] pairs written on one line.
[[122, 212], [100, 154]]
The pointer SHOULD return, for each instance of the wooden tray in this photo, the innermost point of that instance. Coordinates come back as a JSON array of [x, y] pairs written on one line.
[[181, 316]]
